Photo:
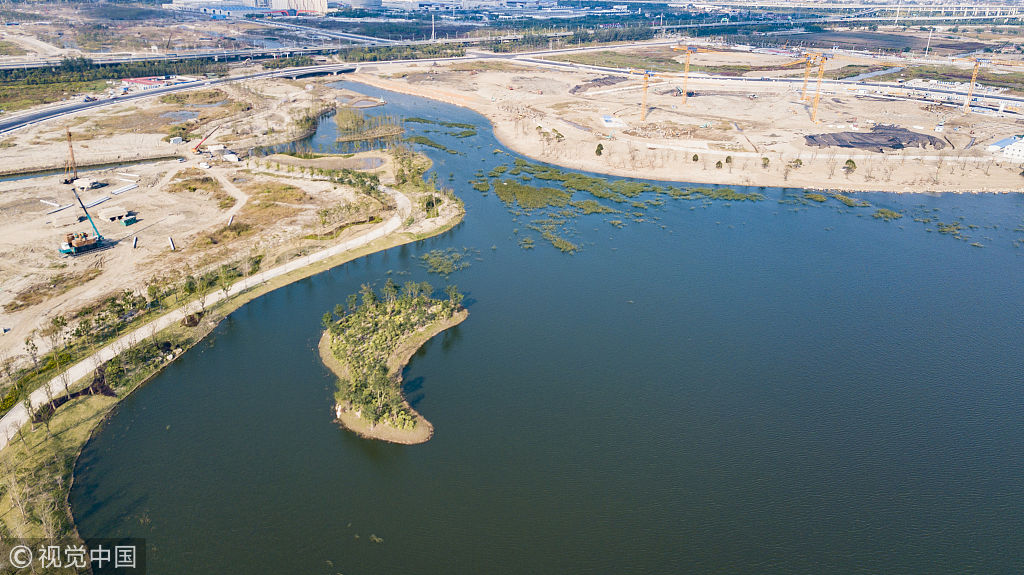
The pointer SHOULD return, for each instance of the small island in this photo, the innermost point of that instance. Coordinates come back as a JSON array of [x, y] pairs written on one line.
[[368, 344]]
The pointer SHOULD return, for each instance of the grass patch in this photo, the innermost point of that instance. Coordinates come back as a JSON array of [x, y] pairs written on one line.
[[52, 287], [204, 185], [815, 197], [198, 97], [337, 231], [561, 243], [21, 95], [11, 49], [727, 194]]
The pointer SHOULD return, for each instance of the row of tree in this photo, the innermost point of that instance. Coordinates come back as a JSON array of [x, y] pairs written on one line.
[[84, 69]]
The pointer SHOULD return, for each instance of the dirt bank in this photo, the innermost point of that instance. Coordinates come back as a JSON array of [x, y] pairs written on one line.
[[351, 420]]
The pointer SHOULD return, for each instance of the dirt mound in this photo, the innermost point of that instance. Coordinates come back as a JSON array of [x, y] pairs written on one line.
[[596, 83], [880, 138]]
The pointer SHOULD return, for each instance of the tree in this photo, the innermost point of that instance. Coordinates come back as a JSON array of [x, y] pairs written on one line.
[[849, 167], [728, 159], [353, 302], [765, 162], [718, 164], [390, 291], [599, 150], [327, 320], [153, 291], [33, 351], [695, 157], [369, 298], [453, 296], [224, 278]]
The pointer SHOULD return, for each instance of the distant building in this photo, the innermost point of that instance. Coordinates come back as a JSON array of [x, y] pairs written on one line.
[[243, 8], [145, 83]]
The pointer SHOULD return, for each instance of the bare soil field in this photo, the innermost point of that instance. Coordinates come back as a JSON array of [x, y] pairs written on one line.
[[271, 209], [730, 132], [893, 41]]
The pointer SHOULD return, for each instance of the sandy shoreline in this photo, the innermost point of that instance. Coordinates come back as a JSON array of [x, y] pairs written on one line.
[[813, 175], [423, 430]]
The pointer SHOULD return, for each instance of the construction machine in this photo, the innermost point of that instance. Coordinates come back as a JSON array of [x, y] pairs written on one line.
[[690, 50], [78, 242], [195, 150]]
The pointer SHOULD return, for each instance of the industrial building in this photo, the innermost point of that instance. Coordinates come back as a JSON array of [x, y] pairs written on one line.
[[244, 8]]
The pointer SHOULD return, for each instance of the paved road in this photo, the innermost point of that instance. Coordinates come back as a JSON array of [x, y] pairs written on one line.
[[955, 94], [18, 415], [15, 121]]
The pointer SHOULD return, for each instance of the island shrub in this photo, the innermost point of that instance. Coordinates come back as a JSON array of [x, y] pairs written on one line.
[[369, 333]]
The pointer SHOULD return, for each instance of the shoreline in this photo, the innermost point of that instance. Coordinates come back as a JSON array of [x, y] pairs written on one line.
[[423, 430], [524, 148], [221, 310]]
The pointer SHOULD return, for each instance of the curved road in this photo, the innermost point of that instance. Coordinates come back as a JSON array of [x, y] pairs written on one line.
[[18, 415]]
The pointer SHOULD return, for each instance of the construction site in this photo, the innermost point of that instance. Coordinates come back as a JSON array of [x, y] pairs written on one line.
[[79, 235], [175, 185], [735, 115]]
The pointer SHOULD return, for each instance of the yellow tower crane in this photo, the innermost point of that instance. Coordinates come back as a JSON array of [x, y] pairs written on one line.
[[690, 51], [817, 90], [974, 74], [647, 75], [970, 89]]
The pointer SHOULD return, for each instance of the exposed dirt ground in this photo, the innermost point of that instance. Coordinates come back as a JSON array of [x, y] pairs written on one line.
[[736, 122], [277, 208]]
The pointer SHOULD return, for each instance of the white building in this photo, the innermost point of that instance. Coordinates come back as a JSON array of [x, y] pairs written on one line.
[[1014, 152]]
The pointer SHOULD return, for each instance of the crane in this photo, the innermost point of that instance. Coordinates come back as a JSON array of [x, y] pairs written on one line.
[[70, 168], [76, 243], [690, 50], [195, 150], [974, 74], [970, 89], [807, 74], [817, 90], [647, 75]]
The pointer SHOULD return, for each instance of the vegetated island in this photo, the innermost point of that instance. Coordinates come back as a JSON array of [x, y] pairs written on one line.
[[368, 344]]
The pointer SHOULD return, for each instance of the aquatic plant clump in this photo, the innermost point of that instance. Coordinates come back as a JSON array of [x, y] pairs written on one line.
[[530, 197], [851, 202], [445, 262], [886, 214]]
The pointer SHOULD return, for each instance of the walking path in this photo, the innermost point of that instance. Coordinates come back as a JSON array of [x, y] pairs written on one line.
[[18, 415]]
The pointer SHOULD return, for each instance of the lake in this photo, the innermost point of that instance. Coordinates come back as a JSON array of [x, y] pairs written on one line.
[[722, 386]]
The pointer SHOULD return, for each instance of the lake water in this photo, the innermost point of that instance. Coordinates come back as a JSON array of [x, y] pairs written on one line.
[[738, 387]]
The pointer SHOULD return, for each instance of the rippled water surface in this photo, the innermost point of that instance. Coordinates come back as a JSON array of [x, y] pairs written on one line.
[[735, 387]]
